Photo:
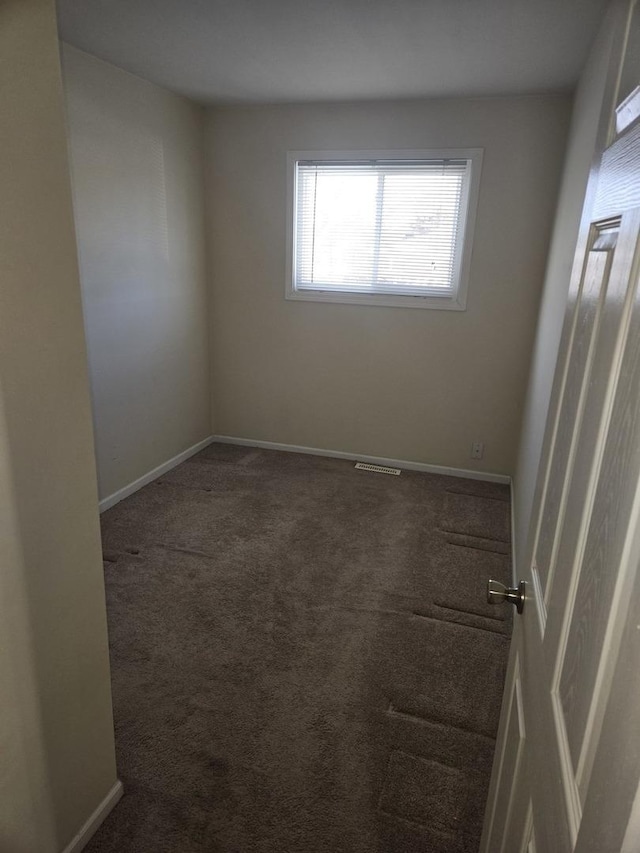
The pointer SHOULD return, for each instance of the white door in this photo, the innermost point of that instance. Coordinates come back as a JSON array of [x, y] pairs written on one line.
[[567, 770]]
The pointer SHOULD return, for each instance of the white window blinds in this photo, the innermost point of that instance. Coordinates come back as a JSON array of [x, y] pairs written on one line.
[[385, 227]]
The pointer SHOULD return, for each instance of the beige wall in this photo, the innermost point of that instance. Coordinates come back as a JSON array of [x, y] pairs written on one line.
[[589, 126], [56, 732], [137, 173], [402, 383]]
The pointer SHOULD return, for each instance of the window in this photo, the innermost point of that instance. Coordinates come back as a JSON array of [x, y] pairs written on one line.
[[382, 228]]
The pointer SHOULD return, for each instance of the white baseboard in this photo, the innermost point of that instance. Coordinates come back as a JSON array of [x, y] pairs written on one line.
[[121, 494], [80, 841], [125, 491], [373, 460]]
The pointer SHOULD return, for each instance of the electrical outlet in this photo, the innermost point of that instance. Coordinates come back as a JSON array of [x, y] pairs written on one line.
[[477, 450]]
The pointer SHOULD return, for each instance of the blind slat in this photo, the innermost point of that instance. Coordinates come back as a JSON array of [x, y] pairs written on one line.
[[378, 226]]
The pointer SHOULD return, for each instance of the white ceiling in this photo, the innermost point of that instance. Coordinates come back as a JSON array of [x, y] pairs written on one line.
[[305, 50]]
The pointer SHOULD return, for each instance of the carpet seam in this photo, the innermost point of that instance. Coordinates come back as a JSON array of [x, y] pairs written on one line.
[[474, 536], [392, 711], [431, 618], [475, 495], [464, 610]]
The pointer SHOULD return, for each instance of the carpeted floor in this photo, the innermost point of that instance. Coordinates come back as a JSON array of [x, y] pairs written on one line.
[[302, 657]]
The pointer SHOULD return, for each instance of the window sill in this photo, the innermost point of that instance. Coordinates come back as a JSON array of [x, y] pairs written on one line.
[[437, 303]]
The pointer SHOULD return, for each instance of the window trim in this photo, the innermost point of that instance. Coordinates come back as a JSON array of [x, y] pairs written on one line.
[[469, 204]]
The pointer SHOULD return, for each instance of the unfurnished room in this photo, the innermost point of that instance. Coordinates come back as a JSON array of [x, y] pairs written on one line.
[[319, 426]]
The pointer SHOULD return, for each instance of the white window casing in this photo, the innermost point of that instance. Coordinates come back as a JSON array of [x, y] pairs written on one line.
[[390, 228]]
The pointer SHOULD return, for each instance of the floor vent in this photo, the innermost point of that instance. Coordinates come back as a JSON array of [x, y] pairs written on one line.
[[379, 469]]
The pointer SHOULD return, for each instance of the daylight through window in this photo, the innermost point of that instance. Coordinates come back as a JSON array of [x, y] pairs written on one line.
[[380, 227]]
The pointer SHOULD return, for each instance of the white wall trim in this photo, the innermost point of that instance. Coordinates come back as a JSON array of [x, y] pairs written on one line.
[[514, 564], [125, 491], [361, 457], [88, 830]]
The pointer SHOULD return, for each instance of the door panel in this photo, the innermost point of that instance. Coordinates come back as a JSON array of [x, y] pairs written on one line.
[[588, 313], [510, 761], [569, 416], [529, 838], [586, 605], [595, 614], [595, 422]]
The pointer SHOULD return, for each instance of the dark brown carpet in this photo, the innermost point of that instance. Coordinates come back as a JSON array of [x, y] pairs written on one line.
[[302, 657]]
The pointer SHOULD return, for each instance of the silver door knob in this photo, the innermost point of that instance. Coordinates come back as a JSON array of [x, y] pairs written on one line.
[[497, 592]]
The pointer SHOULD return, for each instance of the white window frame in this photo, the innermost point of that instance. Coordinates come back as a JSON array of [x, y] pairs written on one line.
[[456, 301]]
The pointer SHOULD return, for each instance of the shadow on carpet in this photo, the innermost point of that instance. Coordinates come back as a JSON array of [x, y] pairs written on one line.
[[302, 657]]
